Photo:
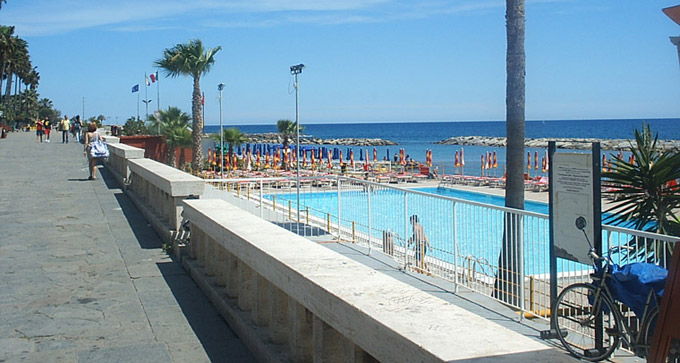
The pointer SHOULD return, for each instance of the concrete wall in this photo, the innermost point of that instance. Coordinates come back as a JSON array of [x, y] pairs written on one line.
[[118, 160], [290, 299], [309, 303], [158, 191]]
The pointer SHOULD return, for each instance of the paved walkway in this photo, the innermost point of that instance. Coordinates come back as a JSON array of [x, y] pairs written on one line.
[[83, 277]]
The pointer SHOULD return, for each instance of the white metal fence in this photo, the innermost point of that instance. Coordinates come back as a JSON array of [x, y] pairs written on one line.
[[465, 238]]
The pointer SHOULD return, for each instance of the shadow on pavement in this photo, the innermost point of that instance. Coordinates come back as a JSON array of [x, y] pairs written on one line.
[[220, 343], [142, 230]]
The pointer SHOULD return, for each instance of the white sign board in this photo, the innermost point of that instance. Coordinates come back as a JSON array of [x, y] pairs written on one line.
[[573, 198]]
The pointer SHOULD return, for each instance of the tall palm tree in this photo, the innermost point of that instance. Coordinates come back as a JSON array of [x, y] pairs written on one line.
[[647, 188], [191, 59], [287, 129], [507, 280], [175, 130], [233, 137]]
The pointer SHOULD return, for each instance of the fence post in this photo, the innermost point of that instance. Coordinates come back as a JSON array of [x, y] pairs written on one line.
[[455, 250], [520, 226], [406, 245], [339, 209], [261, 202], [290, 211], [370, 225]]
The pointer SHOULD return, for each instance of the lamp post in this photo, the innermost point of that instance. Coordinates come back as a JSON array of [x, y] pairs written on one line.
[[146, 103], [296, 70], [220, 87]]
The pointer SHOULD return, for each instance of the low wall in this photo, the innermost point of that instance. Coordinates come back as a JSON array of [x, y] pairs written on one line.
[[158, 191], [291, 299], [119, 154]]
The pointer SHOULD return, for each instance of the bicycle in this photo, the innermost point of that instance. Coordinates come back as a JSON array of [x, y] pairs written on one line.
[[589, 321]]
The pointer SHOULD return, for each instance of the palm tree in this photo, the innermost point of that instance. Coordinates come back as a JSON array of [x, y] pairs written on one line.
[[287, 129], [191, 59], [647, 188], [176, 131], [233, 137], [507, 280]]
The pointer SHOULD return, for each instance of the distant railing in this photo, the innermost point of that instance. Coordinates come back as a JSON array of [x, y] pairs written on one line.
[[465, 237]]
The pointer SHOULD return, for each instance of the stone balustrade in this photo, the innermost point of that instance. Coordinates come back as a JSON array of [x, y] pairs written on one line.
[[291, 299], [158, 191], [119, 154]]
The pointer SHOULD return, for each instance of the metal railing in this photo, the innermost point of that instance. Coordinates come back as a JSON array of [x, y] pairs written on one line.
[[466, 238]]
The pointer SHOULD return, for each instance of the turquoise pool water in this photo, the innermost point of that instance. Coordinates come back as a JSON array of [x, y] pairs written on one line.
[[478, 230]]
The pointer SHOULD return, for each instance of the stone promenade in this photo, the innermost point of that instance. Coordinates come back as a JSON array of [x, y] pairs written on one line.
[[83, 277]]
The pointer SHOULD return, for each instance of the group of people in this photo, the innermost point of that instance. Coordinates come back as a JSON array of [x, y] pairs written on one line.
[[75, 128], [44, 127]]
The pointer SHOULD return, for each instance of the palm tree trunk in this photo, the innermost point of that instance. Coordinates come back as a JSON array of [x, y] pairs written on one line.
[[172, 156], [197, 128], [507, 279]]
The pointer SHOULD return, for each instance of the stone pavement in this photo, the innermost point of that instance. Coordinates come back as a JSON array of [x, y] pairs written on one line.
[[83, 277]]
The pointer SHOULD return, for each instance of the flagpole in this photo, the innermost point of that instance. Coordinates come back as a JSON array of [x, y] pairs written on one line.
[[158, 92], [146, 97], [137, 105]]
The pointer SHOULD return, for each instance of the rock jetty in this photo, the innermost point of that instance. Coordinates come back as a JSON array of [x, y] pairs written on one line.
[[275, 138], [564, 143]]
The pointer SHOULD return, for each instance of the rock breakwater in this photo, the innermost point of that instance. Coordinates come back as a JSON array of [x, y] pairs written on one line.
[[564, 143], [275, 138]]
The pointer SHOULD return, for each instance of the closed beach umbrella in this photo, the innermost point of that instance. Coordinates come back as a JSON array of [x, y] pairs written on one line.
[[340, 156], [604, 162], [375, 155], [330, 161], [529, 160], [351, 158], [543, 165], [495, 161], [257, 161], [313, 160], [304, 158], [535, 160], [456, 160], [266, 160], [210, 157], [361, 155], [368, 160], [388, 155], [462, 157]]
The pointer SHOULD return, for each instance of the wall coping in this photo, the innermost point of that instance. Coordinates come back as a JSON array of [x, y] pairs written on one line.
[[168, 179], [126, 151], [387, 318]]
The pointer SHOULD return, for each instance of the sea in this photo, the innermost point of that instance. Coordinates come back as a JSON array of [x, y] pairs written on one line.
[[418, 137]]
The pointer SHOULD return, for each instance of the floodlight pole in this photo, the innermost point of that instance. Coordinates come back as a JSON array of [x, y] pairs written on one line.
[[296, 70], [220, 87]]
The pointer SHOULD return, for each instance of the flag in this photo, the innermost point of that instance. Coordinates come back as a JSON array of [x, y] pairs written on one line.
[[135, 88], [153, 77], [147, 80]]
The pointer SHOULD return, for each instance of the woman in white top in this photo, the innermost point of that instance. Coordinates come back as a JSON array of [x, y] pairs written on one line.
[[89, 137]]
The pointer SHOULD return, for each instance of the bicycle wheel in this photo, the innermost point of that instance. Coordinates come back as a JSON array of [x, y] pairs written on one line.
[[646, 335], [574, 315]]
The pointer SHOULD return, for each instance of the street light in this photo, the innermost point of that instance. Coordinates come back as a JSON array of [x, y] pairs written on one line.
[[296, 70], [220, 87]]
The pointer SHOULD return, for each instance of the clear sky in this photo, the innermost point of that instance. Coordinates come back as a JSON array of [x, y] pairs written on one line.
[[367, 60]]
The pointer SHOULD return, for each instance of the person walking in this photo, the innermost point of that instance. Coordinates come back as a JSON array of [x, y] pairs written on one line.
[[90, 137], [47, 127], [421, 243], [39, 130], [77, 125], [65, 127]]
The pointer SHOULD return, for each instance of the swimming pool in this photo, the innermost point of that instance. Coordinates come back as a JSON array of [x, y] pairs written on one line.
[[457, 230]]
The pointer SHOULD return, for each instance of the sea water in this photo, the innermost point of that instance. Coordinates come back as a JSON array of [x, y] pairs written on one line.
[[417, 137]]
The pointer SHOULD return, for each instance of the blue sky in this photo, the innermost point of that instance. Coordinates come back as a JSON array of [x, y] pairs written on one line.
[[367, 60]]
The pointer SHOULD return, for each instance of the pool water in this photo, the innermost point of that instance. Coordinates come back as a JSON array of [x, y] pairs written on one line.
[[478, 230]]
